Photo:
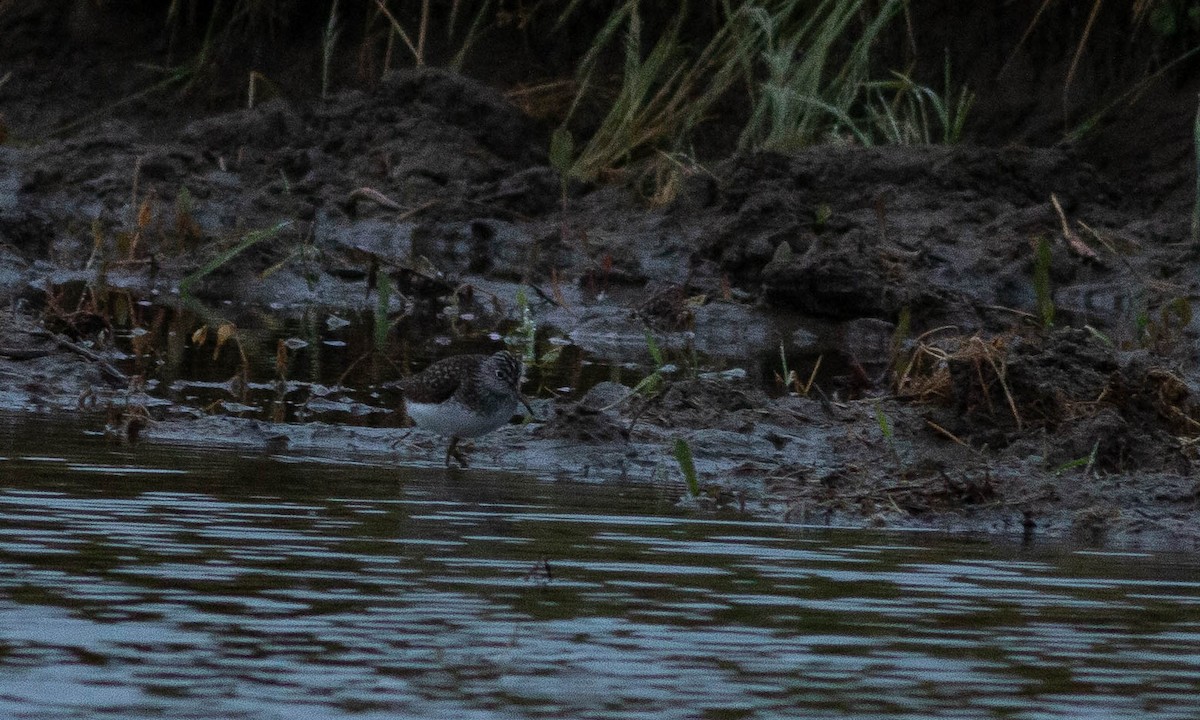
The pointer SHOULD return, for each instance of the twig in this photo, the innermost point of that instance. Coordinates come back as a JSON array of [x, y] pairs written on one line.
[[1014, 311], [14, 353], [544, 295], [341, 381], [109, 371], [940, 328], [812, 377], [1012, 404], [1070, 235], [885, 491], [943, 431], [372, 194]]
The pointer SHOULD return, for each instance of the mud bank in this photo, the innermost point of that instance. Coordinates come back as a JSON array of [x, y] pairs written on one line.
[[901, 285]]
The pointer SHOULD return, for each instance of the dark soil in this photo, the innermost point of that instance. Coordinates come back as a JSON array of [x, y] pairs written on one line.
[[943, 401]]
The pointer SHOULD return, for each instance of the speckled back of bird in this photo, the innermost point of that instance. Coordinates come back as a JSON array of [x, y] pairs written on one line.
[[469, 378]]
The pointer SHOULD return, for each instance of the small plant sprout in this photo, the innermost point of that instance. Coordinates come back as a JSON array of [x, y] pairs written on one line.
[[186, 228], [383, 300], [805, 389], [226, 333], [789, 378], [282, 360], [1041, 282], [524, 335], [900, 361], [653, 382], [885, 425], [248, 241], [885, 429], [1087, 462], [821, 215], [687, 465], [562, 152]]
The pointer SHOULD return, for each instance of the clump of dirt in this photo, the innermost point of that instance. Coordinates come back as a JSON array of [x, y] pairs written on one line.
[[1070, 387], [427, 141], [844, 278], [702, 403], [1028, 433], [1018, 381], [948, 233], [595, 418]]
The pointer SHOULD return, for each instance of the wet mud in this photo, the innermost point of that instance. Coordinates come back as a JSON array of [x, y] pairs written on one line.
[[848, 336]]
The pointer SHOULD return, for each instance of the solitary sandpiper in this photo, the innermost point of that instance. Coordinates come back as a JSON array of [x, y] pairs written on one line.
[[465, 396]]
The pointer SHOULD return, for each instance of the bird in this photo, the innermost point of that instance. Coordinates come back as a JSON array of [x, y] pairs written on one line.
[[464, 396]]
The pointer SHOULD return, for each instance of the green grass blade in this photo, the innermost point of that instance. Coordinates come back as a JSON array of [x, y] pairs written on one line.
[[649, 382], [683, 455], [250, 240], [383, 302], [1041, 282], [1084, 462], [562, 151], [885, 425], [655, 350]]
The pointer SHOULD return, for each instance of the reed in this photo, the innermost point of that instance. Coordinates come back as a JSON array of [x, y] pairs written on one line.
[[664, 93], [687, 465], [1041, 282], [811, 91]]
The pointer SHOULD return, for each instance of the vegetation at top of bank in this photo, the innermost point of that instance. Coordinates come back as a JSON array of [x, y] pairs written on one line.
[[626, 80]]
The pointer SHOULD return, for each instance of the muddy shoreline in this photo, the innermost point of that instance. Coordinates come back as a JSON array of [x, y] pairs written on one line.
[[945, 398]]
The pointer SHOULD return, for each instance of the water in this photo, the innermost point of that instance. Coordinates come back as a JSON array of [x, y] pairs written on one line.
[[328, 364], [159, 582]]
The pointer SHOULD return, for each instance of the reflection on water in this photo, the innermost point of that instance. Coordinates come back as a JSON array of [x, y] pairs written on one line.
[[186, 583], [305, 363]]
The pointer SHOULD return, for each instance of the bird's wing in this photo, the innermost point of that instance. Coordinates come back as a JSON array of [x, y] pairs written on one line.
[[438, 382]]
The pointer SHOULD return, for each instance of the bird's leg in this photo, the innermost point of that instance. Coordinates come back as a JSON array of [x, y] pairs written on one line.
[[452, 450], [528, 407]]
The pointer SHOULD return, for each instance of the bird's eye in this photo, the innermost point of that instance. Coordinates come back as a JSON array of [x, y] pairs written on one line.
[[500, 373]]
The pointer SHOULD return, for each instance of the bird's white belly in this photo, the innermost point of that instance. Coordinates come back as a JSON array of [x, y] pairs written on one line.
[[453, 419]]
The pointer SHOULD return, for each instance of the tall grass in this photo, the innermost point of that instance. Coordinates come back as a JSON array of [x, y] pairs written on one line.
[[219, 30], [328, 44], [793, 72], [916, 114], [801, 71], [664, 93], [1043, 297], [802, 67], [248, 241], [809, 94], [1164, 17]]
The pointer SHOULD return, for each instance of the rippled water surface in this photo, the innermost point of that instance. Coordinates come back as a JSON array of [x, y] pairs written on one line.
[[159, 582]]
